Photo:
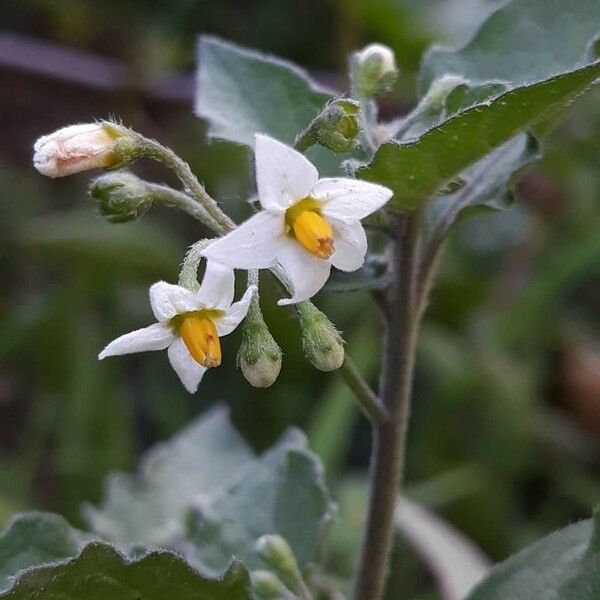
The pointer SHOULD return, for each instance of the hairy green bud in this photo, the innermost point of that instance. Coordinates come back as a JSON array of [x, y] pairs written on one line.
[[121, 197], [337, 127], [276, 553], [322, 343], [259, 356], [267, 586], [373, 70], [438, 92]]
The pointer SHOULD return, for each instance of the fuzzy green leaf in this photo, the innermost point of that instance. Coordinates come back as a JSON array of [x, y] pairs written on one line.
[[150, 507], [41, 556], [242, 92], [563, 566], [416, 170], [282, 492], [523, 42]]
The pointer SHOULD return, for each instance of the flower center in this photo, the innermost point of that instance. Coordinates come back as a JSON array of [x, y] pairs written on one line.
[[200, 336], [311, 230]]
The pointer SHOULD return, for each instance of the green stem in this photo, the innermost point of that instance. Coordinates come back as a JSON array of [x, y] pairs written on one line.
[[188, 276], [389, 438], [305, 139], [152, 149], [367, 399]]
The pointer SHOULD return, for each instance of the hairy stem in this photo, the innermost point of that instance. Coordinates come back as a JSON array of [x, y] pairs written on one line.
[[367, 399], [156, 151], [389, 438]]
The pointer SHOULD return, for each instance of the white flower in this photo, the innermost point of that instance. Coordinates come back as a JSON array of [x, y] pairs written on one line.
[[189, 324], [307, 224], [75, 148]]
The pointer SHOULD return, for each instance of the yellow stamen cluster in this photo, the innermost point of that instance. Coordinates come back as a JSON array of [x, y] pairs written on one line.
[[311, 230], [201, 339]]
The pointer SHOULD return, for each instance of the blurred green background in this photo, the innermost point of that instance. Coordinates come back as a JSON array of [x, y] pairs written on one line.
[[506, 421]]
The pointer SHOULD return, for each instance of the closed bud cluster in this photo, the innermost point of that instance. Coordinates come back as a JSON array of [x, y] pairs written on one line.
[[121, 197], [322, 343], [267, 586], [373, 70], [259, 356], [337, 127], [86, 146]]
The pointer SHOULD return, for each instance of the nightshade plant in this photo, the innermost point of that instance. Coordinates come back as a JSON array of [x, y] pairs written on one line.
[[205, 518]]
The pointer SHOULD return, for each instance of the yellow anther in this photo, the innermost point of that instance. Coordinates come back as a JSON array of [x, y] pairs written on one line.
[[201, 339], [311, 230]]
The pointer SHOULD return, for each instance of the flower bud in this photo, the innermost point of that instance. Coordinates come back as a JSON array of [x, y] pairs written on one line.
[[82, 147], [259, 355], [276, 553], [267, 586], [374, 70], [337, 127], [322, 343], [121, 197], [438, 91]]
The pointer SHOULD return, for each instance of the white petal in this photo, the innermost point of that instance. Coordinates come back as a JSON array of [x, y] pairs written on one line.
[[350, 245], [188, 370], [217, 287], [307, 273], [154, 337], [252, 245], [168, 300], [235, 315], [283, 175], [350, 200]]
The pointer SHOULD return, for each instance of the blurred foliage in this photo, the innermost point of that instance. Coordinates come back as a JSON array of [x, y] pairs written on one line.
[[504, 439]]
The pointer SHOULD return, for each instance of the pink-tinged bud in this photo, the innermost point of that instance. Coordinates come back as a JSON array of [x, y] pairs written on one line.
[[81, 147]]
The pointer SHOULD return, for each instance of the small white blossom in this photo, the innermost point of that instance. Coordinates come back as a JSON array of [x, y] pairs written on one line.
[[189, 324], [307, 224], [75, 148]]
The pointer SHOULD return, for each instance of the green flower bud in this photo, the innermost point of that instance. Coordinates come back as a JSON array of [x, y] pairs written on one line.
[[267, 586], [438, 92], [121, 197], [276, 553], [373, 70], [259, 356], [337, 127], [322, 343]]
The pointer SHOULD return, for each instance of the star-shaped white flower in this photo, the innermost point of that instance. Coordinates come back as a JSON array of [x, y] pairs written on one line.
[[189, 324], [307, 224]]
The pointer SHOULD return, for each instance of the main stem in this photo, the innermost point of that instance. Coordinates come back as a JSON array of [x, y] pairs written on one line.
[[389, 437]]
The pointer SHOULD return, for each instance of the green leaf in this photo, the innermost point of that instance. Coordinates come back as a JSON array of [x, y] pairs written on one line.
[[242, 92], [562, 566], [486, 183], [150, 507], [282, 492], [35, 539], [418, 169], [41, 556], [523, 42]]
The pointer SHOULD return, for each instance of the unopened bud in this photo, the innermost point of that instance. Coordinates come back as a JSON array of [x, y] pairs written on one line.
[[82, 147], [438, 91], [337, 127], [259, 356], [121, 197], [322, 343], [276, 553], [267, 586], [373, 70]]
